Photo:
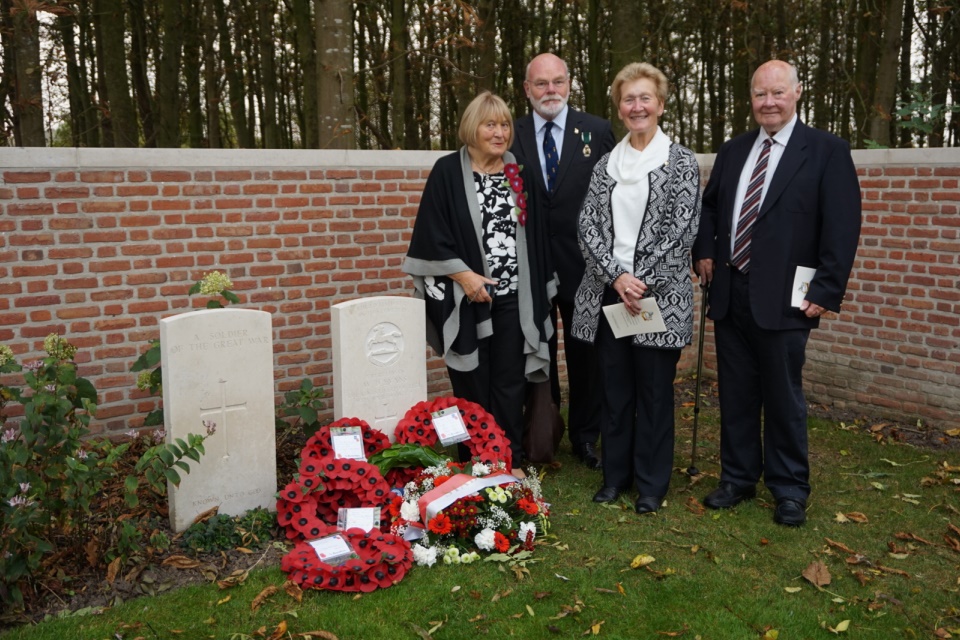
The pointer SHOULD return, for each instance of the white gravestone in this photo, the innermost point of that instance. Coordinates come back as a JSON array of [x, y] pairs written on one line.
[[218, 366], [379, 359]]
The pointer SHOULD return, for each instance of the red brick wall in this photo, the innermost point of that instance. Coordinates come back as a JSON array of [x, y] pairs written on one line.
[[99, 244]]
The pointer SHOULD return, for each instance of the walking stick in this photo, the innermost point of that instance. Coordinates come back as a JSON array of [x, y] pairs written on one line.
[[693, 471]]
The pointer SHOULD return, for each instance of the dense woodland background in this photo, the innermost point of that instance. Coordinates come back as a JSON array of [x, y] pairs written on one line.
[[395, 74]]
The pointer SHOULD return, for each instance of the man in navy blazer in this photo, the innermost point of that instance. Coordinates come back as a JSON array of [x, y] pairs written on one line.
[[808, 216], [581, 139]]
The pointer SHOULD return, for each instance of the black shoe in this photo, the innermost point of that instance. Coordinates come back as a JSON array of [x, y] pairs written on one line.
[[790, 512], [648, 504], [587, 454], [606, 494], [728, 495]]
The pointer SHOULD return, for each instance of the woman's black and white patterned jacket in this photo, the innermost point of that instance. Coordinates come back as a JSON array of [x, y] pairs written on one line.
[[662, 256]]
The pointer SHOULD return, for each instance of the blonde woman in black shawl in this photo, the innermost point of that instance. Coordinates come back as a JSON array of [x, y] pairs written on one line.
[[479, 259]]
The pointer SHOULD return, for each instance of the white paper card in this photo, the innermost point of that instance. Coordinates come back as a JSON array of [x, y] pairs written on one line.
[[623, 323], [333, 550], [449, 425], [801, 285], [347, 443], [366, 518]]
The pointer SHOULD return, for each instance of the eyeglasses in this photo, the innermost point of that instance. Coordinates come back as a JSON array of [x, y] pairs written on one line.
[[540, 85]]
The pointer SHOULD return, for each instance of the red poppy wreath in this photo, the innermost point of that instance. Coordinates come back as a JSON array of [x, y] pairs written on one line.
[[307, 508], [319, 445], [487, 441], [383, 559]]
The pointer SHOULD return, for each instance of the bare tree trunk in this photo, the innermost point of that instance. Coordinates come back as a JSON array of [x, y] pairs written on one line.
[[168, 74], [268, 80], [485, 41], [335, 74], [192, 13], [307, 56], [868, 52], [906, 48], [121, 116], [211, 75], [142, 92], [28, 98], [230, 50], [885, 92]]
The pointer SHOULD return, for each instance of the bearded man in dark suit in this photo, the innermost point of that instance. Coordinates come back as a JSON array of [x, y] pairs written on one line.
[[580, 139], [779, 228]]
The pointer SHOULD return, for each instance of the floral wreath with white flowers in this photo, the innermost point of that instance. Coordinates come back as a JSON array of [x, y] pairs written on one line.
[[499, 521]]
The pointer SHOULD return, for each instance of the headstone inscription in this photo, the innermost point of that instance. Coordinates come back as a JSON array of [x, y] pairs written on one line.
[[379, 359], [218, 367]]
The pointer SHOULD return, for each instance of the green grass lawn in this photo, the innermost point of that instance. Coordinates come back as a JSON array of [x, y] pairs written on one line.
[[715, 575]]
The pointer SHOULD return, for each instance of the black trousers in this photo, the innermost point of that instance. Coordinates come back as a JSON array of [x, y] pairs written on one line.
[[637, 415], [583, 380], [763, 413], [498, 384]]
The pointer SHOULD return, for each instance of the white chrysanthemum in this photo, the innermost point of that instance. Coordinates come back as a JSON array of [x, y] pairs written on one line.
[[410, 511], [424, 556], [484, 540], [525, 528], [467, 558], [480, 470]]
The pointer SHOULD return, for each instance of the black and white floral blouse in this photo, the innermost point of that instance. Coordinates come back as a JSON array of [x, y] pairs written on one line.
[[499, 228]]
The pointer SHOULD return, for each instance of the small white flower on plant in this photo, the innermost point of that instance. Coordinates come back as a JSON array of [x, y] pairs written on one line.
[[132, 433], [409, 511], [526, 528], [159, 435], [467, 558], [19, 501], [485, 540], [211, 427], [50, 387], [424, 556], [82, 454], [34, 365], [214, 283], [8, 436], [24, 487], [480, 470]]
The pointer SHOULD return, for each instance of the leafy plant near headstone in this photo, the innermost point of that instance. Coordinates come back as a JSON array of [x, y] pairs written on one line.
[[304, 404], [222, 532], [52, 474]]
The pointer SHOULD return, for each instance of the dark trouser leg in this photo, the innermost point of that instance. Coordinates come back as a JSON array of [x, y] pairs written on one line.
[[618, 406], [583, 416], [552, 347], [654, 372], [761, 370], [498, 384]]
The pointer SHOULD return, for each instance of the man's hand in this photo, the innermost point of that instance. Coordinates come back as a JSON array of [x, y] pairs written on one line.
[[704, 269], [811, 310]]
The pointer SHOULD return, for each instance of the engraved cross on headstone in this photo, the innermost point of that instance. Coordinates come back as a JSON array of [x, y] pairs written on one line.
[[220, 412], [385, 414]]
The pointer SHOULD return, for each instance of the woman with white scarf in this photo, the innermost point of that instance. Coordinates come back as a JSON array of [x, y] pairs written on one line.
[[637, 224]]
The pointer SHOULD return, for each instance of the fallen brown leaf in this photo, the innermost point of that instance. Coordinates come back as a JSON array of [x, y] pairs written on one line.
[[840, 546], [90, 549], [237, 577], [112, 569], [540, 595], [206, 515], [861, 577], [279, 632], [910, 536], [897, 572], [694, 506], [180, 562], [858, 517], [262, 597], [293, 590], [323, 635], [817, 574]]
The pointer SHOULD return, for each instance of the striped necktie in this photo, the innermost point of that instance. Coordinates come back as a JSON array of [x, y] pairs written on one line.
[[750, 209], [550, 156]]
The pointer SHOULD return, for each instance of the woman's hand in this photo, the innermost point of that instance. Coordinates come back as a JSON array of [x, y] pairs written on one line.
[[630, 290], [474, 285]]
